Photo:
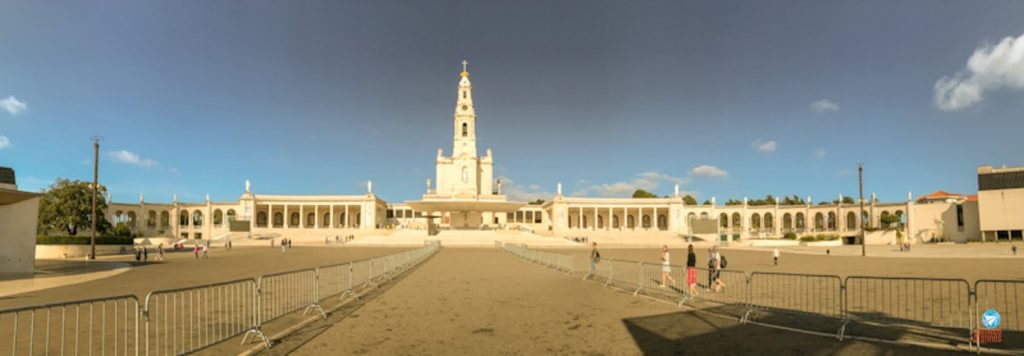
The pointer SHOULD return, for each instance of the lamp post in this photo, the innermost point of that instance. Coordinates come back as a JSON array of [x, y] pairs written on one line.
[[95, 188], [860, 184]]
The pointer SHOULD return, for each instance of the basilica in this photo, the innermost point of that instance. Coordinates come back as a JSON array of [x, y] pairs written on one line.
[[464, 194]]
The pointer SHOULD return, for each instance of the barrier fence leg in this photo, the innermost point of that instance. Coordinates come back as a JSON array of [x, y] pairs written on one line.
[[349, 289], [315, 306], [256, 331], [639, 278], [749, 302], [611, 272], [843, 312]]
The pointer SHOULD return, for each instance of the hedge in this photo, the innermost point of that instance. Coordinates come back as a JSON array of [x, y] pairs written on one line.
[[83, 240]]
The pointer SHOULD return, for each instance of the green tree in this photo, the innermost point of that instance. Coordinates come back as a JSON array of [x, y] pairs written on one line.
[[537, 202], [67, 206], [892, 221], [846, 200], [733, 202], [640, 193], [707, 202], [689, 200]]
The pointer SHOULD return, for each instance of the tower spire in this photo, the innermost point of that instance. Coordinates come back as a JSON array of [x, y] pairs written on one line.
[[465, 73]]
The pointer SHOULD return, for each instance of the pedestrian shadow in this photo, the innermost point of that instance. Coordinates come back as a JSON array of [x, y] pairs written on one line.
[[700, 333]]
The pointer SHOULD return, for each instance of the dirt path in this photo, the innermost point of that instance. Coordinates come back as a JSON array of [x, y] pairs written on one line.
[[487, 302]]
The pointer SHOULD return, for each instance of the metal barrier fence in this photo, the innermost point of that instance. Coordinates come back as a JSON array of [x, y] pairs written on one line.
[[184, 320], [927, 302], [797, 293], [286, 292], [915, 301], [1004, 297], [94, 326]]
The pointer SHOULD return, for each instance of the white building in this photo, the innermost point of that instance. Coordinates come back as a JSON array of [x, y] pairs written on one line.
[[464, 195]]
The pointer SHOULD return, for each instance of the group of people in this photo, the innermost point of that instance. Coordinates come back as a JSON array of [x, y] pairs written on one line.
[[582, 239], [339, 239], [142, 253], [285, 245], [205, 249], [716, 263]]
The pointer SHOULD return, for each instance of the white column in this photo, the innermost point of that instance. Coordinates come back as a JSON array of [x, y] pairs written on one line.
[[654, 220], [316, 216], [638, 220], [579, 222], [330, 223], [286, 219], [347, 216], [608, 222]]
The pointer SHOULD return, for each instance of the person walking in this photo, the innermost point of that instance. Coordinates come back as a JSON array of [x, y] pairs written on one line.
[[1014, 249], [775, 256], [145, 253], [195, 250], [595, 257], [716, 271], [691, 270], [160, 252], [206, 252], [666, 267]]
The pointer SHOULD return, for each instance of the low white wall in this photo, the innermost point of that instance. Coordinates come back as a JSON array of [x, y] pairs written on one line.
[[838, 242], [774, 242], [18, 223], [880, 237], [57, 252]]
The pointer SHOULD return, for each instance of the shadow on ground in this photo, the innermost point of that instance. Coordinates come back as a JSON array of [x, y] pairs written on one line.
[[700, 333]]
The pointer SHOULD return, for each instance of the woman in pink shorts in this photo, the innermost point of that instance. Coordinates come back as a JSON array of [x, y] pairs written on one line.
[[691, 270]]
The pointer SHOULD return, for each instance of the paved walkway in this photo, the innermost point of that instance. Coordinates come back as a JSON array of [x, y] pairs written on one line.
[[484, 301]]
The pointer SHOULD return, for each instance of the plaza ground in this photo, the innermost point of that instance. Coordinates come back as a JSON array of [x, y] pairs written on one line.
[[488, 302], [976, 261], [180, 269]]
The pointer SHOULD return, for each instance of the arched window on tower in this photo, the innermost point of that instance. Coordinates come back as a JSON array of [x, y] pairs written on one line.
[[463, 95], [465, 129]]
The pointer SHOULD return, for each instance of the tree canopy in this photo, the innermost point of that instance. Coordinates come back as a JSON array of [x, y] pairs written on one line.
[[537, 202], [640, 193], [67, 206], [689, 200]]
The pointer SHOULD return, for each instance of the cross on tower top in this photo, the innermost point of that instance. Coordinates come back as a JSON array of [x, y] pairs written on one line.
[[464, 63]]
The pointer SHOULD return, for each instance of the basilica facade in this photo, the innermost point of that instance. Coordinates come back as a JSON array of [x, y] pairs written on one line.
[[465, 195]]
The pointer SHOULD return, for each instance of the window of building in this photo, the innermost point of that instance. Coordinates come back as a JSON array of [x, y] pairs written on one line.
[[1016, 234], [199, 236], [529, 216], [463, 95], [465, 129], [537, 218], [184, 235], [391, 214]]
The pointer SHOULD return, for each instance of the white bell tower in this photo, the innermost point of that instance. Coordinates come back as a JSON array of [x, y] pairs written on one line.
[[465, 118]]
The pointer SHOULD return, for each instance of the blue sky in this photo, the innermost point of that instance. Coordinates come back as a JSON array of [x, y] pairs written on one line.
[[727, 98]]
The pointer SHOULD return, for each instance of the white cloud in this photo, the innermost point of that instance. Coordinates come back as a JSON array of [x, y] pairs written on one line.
[[648, 181], [708, 171], [764, 146], [989, 68], [819, 153], [824, 106], [13, 105], [4, 142], [527, 193], [131, 158]]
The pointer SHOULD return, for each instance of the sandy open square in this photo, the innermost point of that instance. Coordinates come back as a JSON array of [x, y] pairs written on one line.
[[485, 301]]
